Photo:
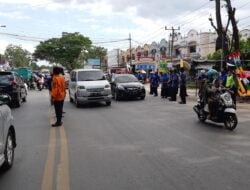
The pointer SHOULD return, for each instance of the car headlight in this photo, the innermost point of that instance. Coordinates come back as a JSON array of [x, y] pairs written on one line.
[[80, 87], [142, 87], [120, 87], [107, 86]]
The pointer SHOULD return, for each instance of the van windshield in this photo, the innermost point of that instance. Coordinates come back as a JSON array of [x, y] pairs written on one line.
[[90, 76]]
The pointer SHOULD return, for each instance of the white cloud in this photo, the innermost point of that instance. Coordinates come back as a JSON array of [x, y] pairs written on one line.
[[14, 15]]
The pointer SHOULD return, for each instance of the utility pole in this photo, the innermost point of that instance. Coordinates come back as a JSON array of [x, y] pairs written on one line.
[[172, 40], [130, 49], [118, 57]]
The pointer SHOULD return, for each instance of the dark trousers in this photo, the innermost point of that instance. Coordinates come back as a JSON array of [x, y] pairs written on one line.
[[155, 91], [183, 93], [174, 92], [58, 109], [151, 90]]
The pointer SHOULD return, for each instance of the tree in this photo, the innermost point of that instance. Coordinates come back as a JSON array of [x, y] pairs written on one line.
[[67, 50], [223, 41], [215, 56], [97, 53], [17, 56], [245, 50]]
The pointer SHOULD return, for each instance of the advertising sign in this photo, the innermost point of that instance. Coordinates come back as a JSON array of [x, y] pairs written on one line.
[[94, 62]]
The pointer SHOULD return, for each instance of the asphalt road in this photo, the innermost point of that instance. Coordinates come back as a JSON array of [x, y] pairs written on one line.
[[131, 145]]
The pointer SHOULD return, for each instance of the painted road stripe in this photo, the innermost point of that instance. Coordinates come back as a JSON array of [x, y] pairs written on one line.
[[47, 183], [63, 168]]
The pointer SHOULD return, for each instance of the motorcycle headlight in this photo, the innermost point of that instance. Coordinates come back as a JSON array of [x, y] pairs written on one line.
[[227, 97]]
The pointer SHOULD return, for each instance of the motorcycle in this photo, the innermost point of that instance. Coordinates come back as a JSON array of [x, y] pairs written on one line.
[[40, 85], [226, 110]]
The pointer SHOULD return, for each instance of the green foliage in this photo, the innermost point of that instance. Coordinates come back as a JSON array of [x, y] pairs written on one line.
[[97, 52], [215, 56], [67, 50], [245, 49], [17, 56]]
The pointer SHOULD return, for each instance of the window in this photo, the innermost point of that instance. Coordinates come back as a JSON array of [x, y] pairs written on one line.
[[192, 49], [90, 76]]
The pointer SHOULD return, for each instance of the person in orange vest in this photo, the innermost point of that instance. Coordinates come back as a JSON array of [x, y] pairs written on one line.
[[58, 94]]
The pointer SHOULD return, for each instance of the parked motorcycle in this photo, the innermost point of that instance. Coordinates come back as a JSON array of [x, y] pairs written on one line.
[[226, 111]]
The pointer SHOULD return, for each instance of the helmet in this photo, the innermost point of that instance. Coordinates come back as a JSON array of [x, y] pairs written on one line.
[[212, 74]]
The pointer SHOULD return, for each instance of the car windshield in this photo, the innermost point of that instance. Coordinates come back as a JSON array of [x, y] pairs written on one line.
[[90, 75], [5, 78], [126, 79]]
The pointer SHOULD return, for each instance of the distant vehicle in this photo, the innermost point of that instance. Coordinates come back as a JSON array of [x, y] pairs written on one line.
[[67, 79], [127, 86], [7, 137], [25, 73], [89, 85], [13, 85], [118, 70], [45, 71]]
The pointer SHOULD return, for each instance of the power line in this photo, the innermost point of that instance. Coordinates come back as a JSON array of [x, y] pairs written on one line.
[[113, 41]]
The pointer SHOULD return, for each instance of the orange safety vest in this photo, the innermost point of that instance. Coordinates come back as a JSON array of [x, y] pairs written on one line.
[[58, 92]]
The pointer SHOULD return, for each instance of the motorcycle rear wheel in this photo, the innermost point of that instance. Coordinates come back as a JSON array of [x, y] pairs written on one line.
[[230, 121]]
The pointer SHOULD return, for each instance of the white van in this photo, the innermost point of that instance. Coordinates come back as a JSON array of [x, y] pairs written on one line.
[[89, 85]]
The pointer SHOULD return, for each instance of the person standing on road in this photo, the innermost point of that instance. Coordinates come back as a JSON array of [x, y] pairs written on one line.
[[150, 80], [174, 85], [183, 89], [164, 85], [58, 94], [155, 83]]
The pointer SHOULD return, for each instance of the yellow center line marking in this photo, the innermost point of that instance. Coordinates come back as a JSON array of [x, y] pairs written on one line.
[[63, 182], [47, 183]]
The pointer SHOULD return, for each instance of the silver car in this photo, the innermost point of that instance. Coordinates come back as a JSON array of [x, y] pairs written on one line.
[[7, 137]]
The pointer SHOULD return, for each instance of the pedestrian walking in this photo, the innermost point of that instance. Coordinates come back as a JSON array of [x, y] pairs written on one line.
[[155, 81], [58, 94], [174, 85], [183, 89]]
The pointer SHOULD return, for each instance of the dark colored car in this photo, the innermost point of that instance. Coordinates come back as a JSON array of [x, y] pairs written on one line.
[[126, 86], [13, 85]]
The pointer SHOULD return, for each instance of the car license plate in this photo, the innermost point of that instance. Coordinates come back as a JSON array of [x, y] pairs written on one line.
[[95, 94]]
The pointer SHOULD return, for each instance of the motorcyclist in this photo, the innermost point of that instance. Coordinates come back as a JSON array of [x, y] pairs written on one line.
[[212, 86]]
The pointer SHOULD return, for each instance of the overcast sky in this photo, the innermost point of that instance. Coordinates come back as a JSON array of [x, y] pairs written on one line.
[[33, 20]]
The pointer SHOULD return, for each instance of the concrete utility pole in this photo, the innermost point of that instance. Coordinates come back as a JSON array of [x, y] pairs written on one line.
[[118, 57], [172, 41], [130, 49]]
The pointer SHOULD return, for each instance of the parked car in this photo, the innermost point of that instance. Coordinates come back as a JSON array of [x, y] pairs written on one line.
[[89, 85], [13, 85], [127, 86], [7, 137]]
